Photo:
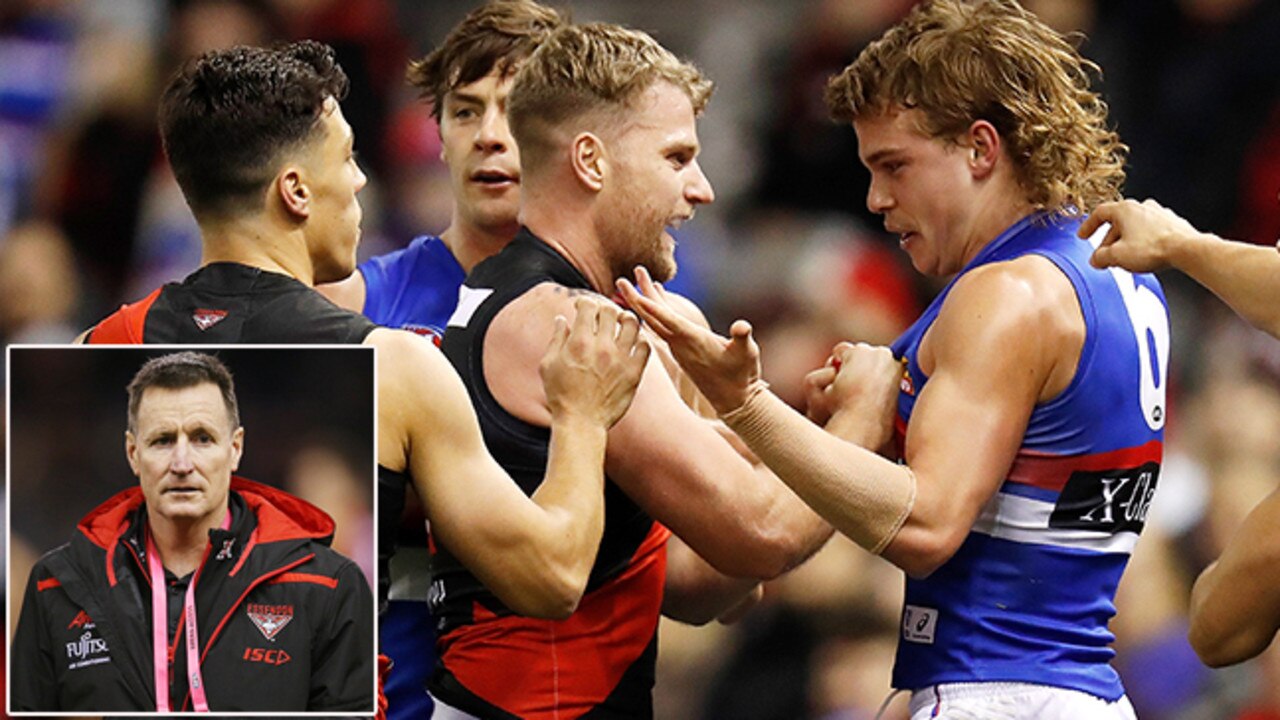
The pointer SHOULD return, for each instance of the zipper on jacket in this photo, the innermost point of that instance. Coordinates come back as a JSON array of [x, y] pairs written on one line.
[[208, 645]]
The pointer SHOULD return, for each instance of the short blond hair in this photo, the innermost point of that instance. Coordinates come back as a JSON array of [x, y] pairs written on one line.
[[959, 61], [584, 70]]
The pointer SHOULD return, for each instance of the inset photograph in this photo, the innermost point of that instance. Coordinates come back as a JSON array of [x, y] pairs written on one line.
[[190, 530]]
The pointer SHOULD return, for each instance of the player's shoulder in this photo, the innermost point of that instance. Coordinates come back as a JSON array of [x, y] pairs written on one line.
[[532, 314], [521, 329], [330, 564], [1010, 303], [687, 308], [1021, 286], [418, 250], [549, 294]]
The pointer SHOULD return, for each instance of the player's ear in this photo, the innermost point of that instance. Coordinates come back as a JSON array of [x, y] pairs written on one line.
[[982, 142], [291, 188], [588, 161], [131, 450], [237, 447]]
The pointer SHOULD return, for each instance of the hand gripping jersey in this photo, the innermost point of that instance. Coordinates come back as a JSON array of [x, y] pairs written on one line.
[[1028, 596], [599, 663], [232, 303], [415, 289]]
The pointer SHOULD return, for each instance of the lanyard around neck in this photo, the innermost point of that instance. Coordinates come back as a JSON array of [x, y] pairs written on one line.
[[160, 630]]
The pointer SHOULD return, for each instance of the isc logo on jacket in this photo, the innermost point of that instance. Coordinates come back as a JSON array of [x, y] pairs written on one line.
[[270, 656]]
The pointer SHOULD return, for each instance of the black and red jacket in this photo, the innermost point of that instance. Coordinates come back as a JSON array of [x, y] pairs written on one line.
[[285, 622]]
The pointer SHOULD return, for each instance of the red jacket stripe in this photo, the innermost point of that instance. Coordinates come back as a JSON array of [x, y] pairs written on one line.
[[328, 582]]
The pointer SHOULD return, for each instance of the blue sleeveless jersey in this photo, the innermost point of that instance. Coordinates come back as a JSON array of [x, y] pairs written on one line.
[[1028, 596], [414, 288]]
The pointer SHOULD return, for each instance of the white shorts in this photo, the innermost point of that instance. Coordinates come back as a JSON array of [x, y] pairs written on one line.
[[1013, 701]]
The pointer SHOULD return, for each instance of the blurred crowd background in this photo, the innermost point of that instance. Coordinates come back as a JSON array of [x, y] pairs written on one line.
[[90, 217]]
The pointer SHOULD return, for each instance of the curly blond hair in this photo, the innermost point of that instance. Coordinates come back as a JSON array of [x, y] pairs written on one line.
[[958, 61], [582, 71]]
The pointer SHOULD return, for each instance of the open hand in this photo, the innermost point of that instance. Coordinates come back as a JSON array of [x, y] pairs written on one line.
[[726, 370]]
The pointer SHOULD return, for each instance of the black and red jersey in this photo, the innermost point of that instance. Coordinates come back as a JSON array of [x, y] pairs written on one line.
[[232, 303], [598, 663], [284, 622]]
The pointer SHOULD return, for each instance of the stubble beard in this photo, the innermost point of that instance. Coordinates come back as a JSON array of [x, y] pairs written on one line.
[[639, 239]]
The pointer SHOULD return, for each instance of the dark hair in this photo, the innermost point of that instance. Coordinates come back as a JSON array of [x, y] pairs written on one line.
[[228, 115], [498, 34], [183, 370]]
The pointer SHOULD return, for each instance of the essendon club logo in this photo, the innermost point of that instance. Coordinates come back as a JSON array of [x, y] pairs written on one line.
[[270, 619], [1108, 501], [81, 620], [206, 319]]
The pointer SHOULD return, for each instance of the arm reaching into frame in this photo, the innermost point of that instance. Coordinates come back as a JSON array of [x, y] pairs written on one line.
[[1146, 236], [1235, 604]]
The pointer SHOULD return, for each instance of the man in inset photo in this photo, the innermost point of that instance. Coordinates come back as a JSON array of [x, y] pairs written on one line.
[[195, 589]]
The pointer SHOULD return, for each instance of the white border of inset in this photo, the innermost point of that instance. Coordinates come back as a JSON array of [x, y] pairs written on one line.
[[8, 521]]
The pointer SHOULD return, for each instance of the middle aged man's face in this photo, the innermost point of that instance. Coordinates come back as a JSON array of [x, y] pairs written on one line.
[[184, 452]]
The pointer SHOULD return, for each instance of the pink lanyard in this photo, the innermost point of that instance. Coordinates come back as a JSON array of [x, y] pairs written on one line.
[[160, 628]]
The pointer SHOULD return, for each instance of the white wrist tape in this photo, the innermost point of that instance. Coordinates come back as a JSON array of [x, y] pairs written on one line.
[[860, 493]]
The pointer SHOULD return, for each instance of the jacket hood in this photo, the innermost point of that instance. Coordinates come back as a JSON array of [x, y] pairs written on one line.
[[281, 516]]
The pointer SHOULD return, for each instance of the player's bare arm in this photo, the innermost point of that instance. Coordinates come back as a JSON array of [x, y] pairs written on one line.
[[743, 522], [696, 593], [534, 555], [1235, 604], [1146, 236], [1008, 337], [1001, 344], [348, 293]]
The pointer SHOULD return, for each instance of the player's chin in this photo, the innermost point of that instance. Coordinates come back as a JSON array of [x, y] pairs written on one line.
[[337, 269], [663, 268], [191, 506]]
